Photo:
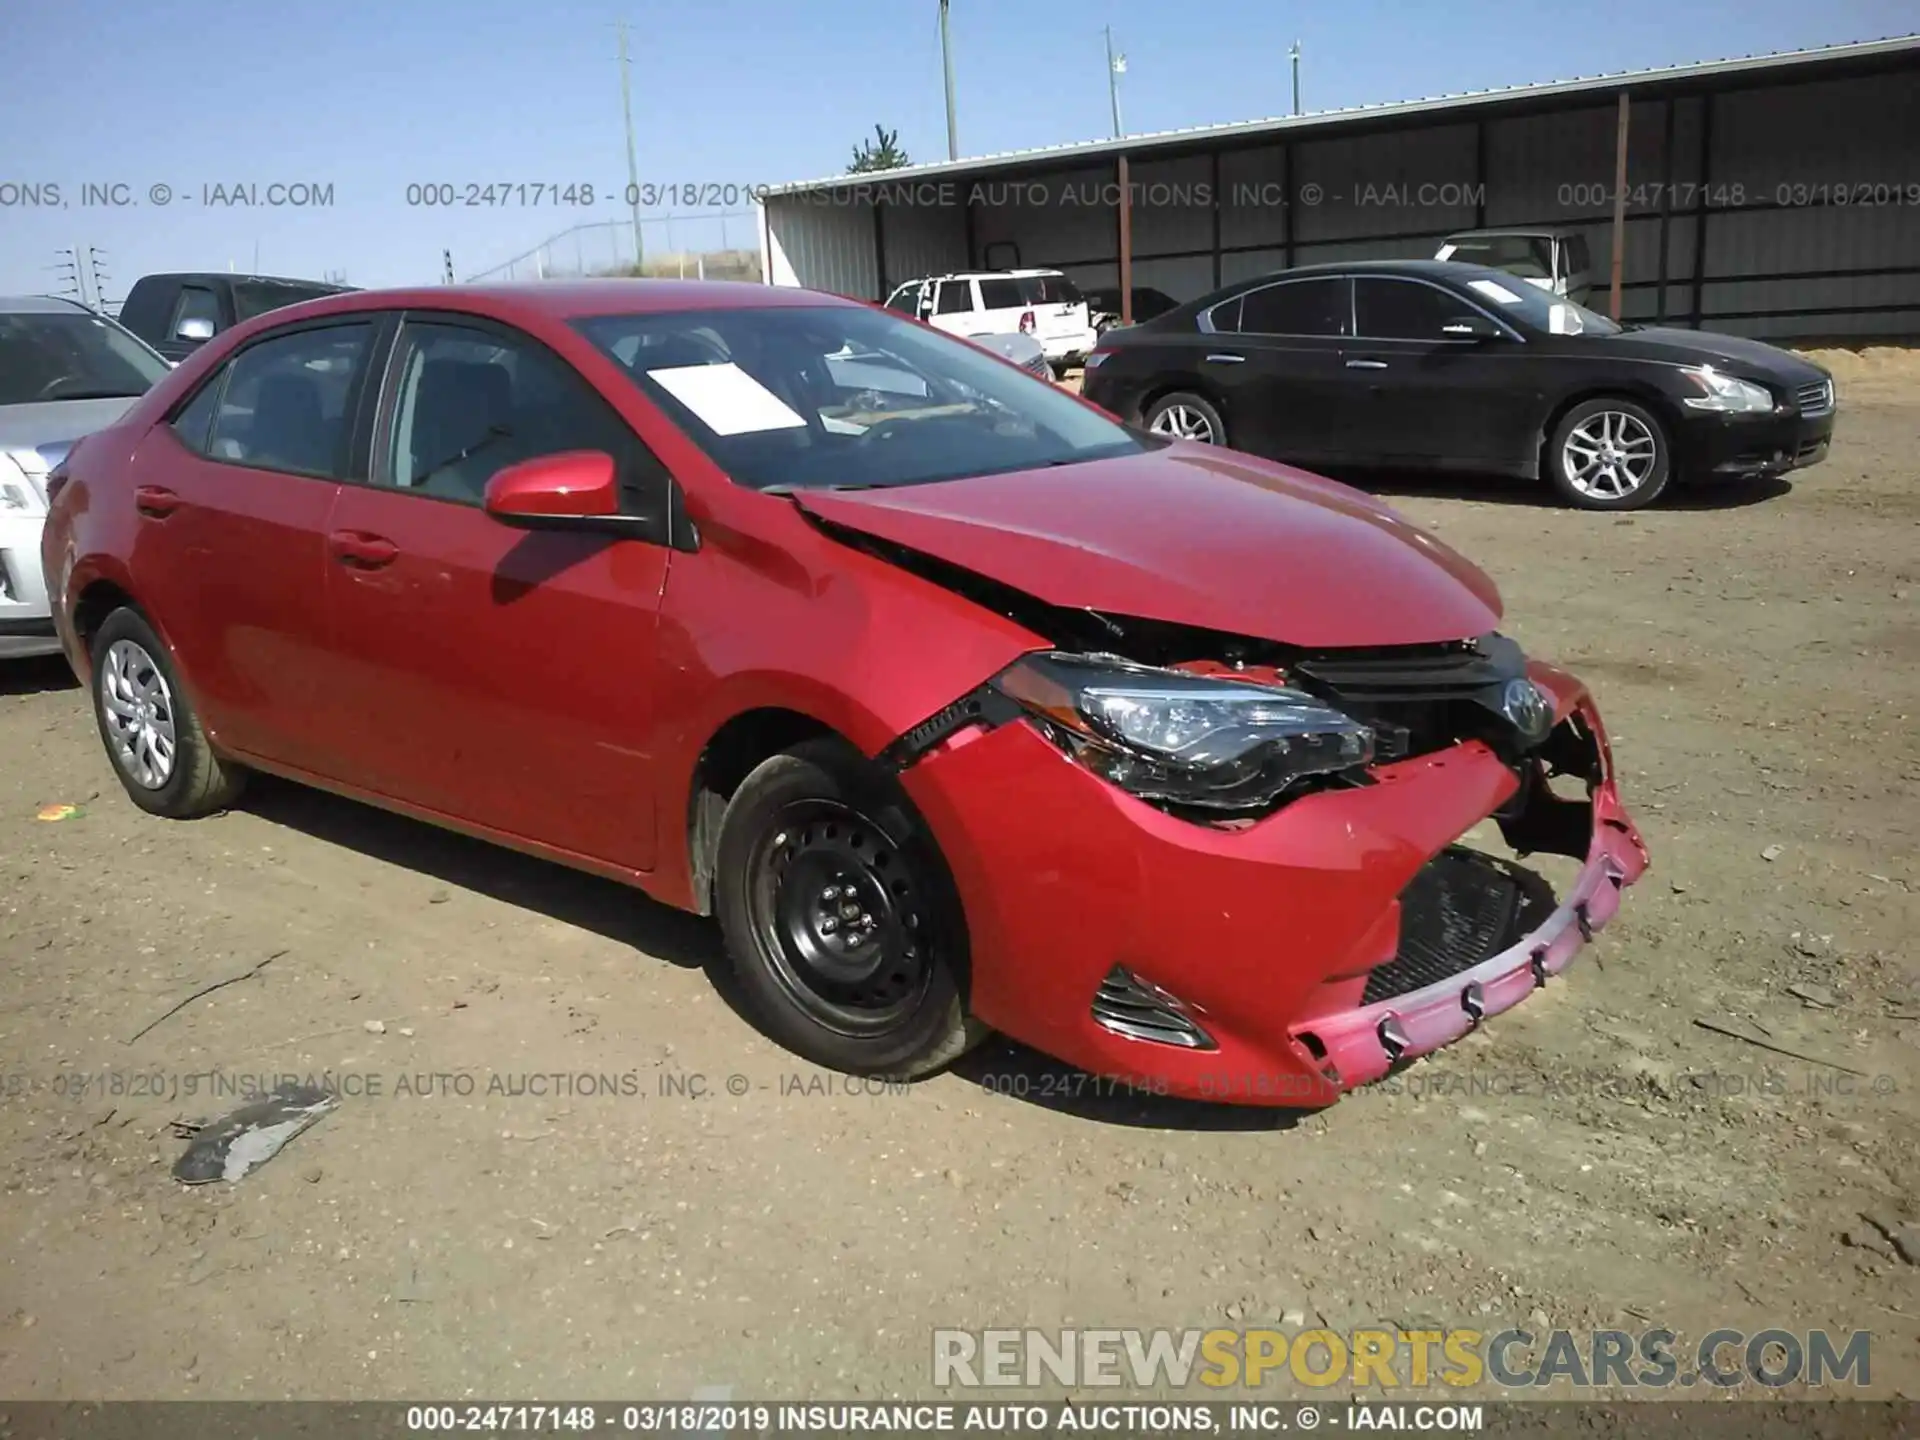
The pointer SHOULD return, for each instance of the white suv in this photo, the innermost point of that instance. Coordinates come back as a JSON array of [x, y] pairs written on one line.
[[1042, 303]]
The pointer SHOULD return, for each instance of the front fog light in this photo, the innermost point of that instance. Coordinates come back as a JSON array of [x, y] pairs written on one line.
[[1184, 739]]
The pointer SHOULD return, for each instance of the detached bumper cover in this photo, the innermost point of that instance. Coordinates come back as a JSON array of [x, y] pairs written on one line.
[[1266, 935]]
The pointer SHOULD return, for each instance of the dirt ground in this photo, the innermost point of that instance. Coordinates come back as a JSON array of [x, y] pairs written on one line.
[[747, 1223]]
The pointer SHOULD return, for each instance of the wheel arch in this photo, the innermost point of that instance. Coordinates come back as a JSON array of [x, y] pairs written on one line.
[[1646, 395], [1189, 384], [731, 753]]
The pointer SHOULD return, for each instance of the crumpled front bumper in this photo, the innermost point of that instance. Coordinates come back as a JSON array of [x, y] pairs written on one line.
[[1266, 934]]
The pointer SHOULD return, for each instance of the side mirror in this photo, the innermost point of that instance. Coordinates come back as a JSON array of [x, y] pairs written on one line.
[[554, 491], [195, 329]]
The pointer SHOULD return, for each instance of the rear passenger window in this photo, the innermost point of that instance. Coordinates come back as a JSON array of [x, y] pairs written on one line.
[[1001, 295], [1297, 307], [285, 402]]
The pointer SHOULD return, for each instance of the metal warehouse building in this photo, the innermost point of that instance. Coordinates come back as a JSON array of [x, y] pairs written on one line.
[[1777, 195]]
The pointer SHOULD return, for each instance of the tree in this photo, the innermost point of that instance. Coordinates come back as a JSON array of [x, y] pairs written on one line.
[[886, 155]]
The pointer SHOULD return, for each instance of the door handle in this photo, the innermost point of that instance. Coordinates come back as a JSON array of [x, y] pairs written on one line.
[[1366, 364], [155, 500], [361, 550], [1225, 359]]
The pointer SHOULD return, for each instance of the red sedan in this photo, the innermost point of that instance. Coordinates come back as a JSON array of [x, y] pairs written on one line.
[[960, 705]]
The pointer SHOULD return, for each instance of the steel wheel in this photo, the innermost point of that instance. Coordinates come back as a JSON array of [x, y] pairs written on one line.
[[1609, 455], [837, 909], [136, 709], [1184, 422]]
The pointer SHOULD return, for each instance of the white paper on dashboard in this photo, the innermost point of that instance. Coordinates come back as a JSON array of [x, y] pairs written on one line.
[[727, 400]]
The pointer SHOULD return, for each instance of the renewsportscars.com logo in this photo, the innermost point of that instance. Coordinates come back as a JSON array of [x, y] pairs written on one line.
[[1391, 1359]]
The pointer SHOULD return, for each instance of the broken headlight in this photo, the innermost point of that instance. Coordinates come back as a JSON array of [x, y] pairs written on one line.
[[1184, 739]]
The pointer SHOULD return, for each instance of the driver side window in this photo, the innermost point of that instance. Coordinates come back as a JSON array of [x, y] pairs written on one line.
[[470, 401]]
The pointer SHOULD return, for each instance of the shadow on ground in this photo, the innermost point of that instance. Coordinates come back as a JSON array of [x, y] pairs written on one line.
[[1007, 1068], [1503, 490], [36, 675], [572, 897]]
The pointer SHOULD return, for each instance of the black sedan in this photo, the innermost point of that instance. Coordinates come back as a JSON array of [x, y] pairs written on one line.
[[1423, 364]]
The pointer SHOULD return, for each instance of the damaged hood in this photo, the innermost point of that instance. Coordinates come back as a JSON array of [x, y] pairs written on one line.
[[1192, 535]]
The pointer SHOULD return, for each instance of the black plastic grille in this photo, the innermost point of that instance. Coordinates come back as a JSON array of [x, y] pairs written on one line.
[[1460, 909]]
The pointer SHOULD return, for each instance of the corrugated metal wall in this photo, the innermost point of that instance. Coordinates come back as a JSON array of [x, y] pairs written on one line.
[[1763, 172]]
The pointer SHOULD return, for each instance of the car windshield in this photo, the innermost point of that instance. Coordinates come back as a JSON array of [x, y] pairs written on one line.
[[1049, 290], [1530, 256], [1535, 309], [839, 396], [69, 355]]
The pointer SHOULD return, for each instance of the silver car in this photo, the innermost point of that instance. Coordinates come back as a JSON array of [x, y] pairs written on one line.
[[65, 372]]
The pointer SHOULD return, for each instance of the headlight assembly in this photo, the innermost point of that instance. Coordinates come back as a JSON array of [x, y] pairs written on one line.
[[1725, 393], [1182, 739]]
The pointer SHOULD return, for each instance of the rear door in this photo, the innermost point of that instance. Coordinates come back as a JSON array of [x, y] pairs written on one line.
[[1435, 396], [502, 677], [955, 307], [1059, 309], [233, 498], [1002, 304], [1274, 356]]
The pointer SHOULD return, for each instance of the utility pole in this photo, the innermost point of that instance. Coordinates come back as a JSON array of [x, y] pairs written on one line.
[[1294, 55], [446, 267], [633, 168], [1116, 67], [946, 60], [94, 257], [66, 264]]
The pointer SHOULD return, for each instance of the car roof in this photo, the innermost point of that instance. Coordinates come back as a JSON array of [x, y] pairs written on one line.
[[563, 299], [40, 305], [204, 275], [1496, 231], [1427, 268]]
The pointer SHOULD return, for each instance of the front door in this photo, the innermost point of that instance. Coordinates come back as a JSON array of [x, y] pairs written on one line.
[[232, 512], [1446, 386], [459, 640]]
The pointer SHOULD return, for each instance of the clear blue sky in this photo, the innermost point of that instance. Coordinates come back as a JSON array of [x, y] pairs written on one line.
[[372, 95]]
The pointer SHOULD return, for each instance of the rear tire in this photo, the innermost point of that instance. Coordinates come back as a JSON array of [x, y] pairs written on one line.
[[1186, 416], [153, 737], [1610, 453], [844, 932]]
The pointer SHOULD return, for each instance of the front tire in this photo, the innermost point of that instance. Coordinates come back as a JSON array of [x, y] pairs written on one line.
[[1609, 453], [153, 737], [1186, 416], [844, 932]]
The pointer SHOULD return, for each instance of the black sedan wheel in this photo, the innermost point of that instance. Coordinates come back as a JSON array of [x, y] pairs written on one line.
[[842, 926], [1609, 454], [1184, 416]]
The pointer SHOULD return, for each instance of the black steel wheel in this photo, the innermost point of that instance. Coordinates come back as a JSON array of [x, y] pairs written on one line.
[[842, 925]]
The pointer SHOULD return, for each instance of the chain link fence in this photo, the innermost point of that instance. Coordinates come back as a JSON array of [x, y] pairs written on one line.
[[690, 247]]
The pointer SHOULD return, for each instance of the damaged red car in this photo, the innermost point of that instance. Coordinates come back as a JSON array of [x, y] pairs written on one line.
[[961, 706]]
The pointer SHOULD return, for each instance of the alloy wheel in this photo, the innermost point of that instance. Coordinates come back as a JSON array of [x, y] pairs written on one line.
[[1183, 422], [837, 908], [138, 710], [1610, 454]]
